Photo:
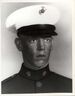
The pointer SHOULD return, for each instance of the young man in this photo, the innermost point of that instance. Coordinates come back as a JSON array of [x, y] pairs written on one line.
[[35, 28]]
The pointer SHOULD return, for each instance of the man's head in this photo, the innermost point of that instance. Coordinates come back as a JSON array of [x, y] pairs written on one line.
[[36, 44], [36, 51], [34, 26]]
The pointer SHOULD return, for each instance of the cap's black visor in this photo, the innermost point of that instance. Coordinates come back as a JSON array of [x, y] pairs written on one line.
[[37, 30]]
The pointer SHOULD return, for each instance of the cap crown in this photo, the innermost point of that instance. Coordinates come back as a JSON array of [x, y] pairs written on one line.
[[31, 15]]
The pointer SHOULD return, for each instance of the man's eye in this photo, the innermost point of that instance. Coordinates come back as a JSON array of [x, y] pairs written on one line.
[[32, 41], [47, 39]]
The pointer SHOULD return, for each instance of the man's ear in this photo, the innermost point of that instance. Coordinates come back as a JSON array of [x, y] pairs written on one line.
[[18, 44]]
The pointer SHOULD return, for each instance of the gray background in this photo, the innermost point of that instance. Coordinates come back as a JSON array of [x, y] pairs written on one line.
[[61, 56]]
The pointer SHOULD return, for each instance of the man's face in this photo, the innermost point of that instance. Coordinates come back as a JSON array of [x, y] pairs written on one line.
[[36, 50]]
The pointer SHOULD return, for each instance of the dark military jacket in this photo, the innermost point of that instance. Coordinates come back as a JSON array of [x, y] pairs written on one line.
[[41, 81]]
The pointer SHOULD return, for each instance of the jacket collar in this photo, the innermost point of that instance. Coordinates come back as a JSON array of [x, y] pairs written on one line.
[[33, 74]]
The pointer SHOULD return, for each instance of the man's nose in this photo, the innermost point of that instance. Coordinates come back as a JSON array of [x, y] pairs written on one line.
[[40, 44]]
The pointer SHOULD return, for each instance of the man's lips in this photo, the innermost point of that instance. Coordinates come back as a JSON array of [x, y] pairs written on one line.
[[40, 56]]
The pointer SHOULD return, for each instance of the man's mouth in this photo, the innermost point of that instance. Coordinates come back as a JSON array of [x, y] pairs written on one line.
[[40, 56]]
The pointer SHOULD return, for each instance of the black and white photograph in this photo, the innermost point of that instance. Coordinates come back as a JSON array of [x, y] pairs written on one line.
[[36, 47]]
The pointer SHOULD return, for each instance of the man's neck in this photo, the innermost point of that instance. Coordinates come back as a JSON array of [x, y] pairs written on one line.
[[28, 65]]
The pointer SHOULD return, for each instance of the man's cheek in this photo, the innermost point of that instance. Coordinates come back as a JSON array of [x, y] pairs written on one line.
[[30, 52]]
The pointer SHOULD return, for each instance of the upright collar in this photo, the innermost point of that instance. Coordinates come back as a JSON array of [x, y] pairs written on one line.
[[33, 74]]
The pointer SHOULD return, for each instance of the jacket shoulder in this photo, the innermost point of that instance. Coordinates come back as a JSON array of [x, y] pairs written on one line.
[[62, 81], [9, 79], [60, 77]]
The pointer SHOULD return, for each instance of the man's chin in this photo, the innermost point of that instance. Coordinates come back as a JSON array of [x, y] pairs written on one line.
[[40, 64]]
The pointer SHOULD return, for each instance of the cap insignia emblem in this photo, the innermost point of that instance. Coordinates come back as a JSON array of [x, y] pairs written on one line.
[[42, 10]]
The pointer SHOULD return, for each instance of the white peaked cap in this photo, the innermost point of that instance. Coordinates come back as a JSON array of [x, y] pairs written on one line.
[[31, 15]]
